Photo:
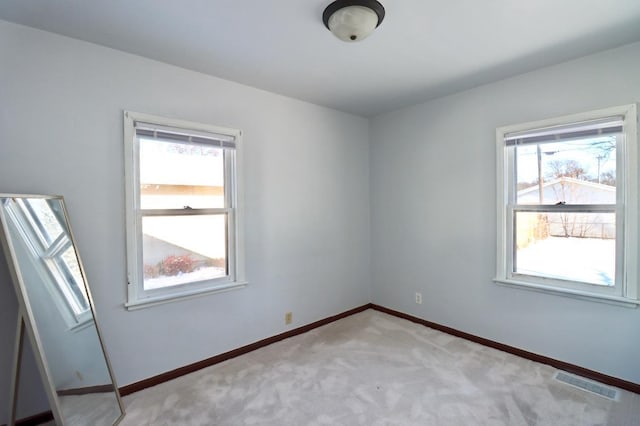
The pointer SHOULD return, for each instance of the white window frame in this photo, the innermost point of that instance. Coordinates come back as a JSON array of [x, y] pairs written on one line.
[[138, 297], [626, 292]]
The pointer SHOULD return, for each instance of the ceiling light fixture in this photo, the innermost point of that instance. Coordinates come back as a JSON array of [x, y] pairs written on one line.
[[353, 20]]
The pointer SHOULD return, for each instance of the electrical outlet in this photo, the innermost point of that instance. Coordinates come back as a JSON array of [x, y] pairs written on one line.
[[288, 318], [419, 298]]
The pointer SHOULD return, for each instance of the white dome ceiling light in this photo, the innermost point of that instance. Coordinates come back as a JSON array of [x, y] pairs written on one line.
[[353, 20]]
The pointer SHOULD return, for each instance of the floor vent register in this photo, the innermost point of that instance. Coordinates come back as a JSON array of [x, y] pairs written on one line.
[[587, 385]]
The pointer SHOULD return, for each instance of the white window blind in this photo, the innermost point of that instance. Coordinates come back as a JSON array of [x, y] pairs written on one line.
[[192, 136], [591, 128]]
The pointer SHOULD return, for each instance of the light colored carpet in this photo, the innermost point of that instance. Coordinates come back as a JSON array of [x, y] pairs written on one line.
[[375, 369]]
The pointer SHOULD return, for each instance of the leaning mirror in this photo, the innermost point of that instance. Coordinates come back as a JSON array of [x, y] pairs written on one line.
[[58, 311]]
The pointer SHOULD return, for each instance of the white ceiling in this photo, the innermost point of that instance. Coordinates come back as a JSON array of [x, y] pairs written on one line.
[[423, 49]]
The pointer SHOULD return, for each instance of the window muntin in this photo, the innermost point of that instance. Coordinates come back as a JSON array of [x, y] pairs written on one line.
[[182, 201], [566, 205]]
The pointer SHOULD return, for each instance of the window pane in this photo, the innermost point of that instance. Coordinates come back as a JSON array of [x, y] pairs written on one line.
[[44, 221], [176, 175], [183, 249], [574, 172], [567, 246]]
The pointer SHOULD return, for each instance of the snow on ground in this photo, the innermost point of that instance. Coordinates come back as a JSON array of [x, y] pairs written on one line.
[[201, 274], [591, 260]]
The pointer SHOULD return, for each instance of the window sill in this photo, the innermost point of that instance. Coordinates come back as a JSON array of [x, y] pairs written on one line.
[[576, 294], [148, 302], [85, 323]]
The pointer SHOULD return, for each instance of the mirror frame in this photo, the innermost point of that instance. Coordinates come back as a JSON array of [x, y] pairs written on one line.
[[26, 318]]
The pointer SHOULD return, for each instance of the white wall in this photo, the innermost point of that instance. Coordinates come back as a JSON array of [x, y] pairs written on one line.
[[433, 196], [306, 176]]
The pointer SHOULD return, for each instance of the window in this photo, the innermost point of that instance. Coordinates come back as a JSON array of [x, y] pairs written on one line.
[[568, 205], [183, 213], [42, 227]]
